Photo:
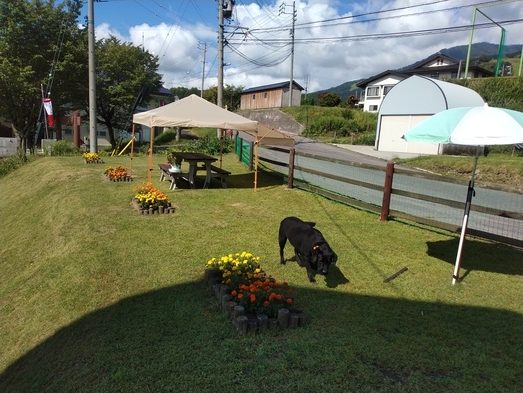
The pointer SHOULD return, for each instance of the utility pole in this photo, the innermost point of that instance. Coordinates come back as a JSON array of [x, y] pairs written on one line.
[[227, 14], [306, 85], [93, 142], [220, 54], [203, 67], [294, 16]]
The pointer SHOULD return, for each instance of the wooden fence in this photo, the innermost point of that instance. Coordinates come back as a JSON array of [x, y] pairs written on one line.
[[398, 193]]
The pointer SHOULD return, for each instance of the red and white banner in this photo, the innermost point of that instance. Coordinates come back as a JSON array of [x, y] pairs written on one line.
[[49, 109]]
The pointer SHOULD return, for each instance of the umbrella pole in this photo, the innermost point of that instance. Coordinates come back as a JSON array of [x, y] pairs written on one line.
[[470, 194], [256, 163]]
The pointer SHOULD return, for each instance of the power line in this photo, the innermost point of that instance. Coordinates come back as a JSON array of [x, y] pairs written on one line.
[[364, 37]]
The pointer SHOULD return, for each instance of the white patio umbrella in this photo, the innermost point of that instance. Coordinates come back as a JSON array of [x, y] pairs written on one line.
[[471, 126]]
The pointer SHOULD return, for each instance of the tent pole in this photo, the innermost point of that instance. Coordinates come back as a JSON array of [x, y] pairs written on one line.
[[132, 152], [221, 146], [470, 194]]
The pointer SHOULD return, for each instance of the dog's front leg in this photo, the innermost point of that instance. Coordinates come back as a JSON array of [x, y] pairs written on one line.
[[310, 273]]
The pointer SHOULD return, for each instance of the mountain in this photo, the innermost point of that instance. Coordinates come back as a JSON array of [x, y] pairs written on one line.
[[481, 49]]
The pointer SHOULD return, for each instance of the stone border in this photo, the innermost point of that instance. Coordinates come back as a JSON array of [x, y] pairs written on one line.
[[99, 161], [252, 324], [124, 179], [160, 210]]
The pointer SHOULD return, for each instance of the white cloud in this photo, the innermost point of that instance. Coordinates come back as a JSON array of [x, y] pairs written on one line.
[[323, 64]]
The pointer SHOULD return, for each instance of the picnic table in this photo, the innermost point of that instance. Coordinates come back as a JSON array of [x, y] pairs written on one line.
[[196, 161]]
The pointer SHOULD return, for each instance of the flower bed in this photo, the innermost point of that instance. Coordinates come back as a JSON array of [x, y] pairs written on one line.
[[117, 174], [92, 158], [149, 200], [253, 300]]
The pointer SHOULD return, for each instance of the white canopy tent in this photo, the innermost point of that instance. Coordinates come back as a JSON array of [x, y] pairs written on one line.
[[194, 111]]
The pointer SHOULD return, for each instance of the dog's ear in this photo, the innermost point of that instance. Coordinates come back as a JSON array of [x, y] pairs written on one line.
[[334, 258], [310, 223]]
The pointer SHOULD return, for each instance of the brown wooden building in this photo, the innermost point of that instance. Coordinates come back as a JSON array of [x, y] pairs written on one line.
[[275, 95]]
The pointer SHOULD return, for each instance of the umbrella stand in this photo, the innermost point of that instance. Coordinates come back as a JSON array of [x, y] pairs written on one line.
[[470, 194]]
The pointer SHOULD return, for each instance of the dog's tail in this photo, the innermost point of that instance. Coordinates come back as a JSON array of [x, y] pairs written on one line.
[[309, 223]]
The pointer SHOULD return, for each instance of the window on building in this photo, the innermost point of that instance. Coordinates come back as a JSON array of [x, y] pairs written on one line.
[[264, 95], [434, 75], [67, 131], [102, 133], [373, 91], [373, 108], [453, 75], [386, 89], [254, 96]]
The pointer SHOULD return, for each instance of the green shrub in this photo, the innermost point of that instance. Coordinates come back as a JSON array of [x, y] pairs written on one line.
[[11, 163], [365, 139], [165, 137], [64, 148], [347, 114], [207, 144], [328, 125]]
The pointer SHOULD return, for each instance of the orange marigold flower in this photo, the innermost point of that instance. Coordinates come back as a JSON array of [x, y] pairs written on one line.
[[279, 297], [228, 281], [266, 303], [272, 296], [289, 301], [291, 291], [234, 293], [253, 298], [240, 296]]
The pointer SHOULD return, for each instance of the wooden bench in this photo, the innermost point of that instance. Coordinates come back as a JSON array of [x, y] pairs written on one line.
[[171, 176], [219, 173]]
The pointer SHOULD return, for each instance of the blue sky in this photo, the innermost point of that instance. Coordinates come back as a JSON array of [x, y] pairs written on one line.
[[335, 40]]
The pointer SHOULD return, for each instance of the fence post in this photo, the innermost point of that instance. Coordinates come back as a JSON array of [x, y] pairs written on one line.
[[290, 180], [387, 191]]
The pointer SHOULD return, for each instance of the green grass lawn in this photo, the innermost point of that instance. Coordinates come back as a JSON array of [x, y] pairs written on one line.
[[97, 298]]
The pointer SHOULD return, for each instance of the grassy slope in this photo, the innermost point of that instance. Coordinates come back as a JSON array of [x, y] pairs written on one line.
[[495, 168], [95, 297]]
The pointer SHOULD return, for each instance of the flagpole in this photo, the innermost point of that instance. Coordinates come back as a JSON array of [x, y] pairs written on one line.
[[45, 115]]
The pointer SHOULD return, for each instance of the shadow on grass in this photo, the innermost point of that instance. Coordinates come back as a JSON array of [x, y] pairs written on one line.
[[477, 255], [332, 280], [177, 339]]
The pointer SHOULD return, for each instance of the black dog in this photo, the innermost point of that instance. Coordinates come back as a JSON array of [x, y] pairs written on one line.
[[311, 249]]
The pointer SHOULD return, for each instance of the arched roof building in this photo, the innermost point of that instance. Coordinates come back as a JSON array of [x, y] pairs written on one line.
[[409, 103]]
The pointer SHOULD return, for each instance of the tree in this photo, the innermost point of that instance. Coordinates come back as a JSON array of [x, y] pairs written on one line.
[[232, 96], [352, 101], [123, 71], [36, 40], [329, 99], [211, 94], [182, 92]]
